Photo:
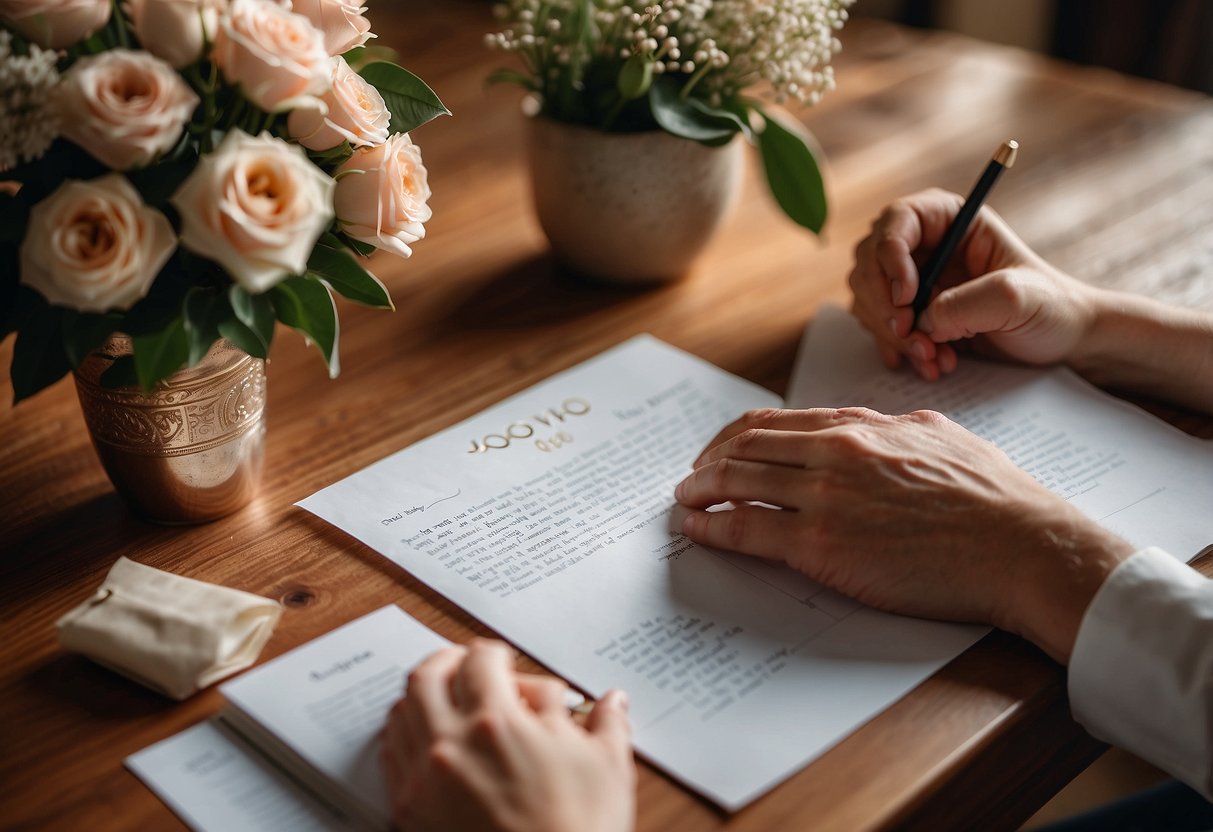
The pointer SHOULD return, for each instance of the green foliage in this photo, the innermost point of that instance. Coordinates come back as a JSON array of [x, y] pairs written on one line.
[[341, 273], [305, 304], [793, 175], [411, 102], [691, 118]]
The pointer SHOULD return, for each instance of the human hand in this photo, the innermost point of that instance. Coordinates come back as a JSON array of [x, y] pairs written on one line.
[[475, 746], [995, 293], [911, 514]]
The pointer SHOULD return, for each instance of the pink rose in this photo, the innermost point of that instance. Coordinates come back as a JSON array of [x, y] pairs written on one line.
[[175, 30], [256, 206], [95, 246], [341, 21], [277, 57], [125, 107], [55, 24], [381, 195], [355, 112]]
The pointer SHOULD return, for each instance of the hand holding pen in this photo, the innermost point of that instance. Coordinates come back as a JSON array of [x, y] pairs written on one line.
[[993, 295]]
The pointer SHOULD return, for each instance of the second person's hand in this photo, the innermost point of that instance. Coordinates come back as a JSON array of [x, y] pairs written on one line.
[[995, 294]]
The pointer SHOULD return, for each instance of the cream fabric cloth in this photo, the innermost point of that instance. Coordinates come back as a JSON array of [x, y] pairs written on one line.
[[173, 634]]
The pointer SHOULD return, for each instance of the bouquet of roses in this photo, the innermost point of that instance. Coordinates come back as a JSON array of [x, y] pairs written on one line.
[[686, 67], [182, 171]]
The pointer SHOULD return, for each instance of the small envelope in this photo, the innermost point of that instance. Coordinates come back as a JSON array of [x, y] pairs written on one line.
[[173, 634]]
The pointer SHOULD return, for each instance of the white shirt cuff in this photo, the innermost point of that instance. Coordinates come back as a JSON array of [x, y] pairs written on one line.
[[1141, 674]]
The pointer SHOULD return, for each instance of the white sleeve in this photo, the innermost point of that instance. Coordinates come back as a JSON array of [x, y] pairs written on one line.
[[1141, 674]]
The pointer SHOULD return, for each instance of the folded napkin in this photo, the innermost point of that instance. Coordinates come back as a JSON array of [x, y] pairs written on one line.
[[173, 634]]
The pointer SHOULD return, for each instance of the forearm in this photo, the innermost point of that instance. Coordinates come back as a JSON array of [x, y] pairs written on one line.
[[1138, 344]]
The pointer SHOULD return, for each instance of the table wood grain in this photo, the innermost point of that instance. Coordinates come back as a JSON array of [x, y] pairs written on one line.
[[1114, 183]]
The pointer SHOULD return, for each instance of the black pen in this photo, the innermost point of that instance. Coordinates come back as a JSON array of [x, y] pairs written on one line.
[[1004, 157]]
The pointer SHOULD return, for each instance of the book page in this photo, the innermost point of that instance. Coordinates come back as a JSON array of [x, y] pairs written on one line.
[[1129, 471], [215, 782], [551, 518]]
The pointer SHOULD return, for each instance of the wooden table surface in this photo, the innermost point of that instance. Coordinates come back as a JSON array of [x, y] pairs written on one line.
[[1114, 183]]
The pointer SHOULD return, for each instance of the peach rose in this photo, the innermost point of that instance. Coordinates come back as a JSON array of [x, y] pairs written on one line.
[[175, 30], [277, 57], [95, 246], [256, 206], [381, 195], [354, 112], [341, 21], [125, 107], [55, 24]]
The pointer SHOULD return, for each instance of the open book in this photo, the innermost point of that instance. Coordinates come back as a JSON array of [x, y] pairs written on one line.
[[297, 746]]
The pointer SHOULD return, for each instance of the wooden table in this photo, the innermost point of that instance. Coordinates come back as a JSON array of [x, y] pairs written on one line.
[[1114, 183]]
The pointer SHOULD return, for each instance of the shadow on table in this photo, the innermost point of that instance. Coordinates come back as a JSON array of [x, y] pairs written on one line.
[[533, 292]]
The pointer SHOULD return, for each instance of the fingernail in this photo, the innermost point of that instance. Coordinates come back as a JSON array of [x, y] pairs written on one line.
[[919, 349], [680, 490], [893, 327], [689, 524], [624, 701]]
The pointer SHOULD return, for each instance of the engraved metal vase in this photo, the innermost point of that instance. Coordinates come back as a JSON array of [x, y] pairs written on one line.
[[192, 449]]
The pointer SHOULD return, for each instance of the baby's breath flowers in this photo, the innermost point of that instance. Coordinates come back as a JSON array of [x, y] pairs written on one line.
[[684, 66], [29, 121]]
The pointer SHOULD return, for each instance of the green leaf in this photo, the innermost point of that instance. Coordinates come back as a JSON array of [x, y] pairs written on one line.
[[635, 78], [203, 309], [84, 332], [256, 313], [689, 118], [411, 102], [341, 273], [160, 354], [39, 359], [306, 305], [793, 175], [510, 76]]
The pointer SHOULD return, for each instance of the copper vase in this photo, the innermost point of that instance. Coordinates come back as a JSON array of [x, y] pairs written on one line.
[[192, 449]]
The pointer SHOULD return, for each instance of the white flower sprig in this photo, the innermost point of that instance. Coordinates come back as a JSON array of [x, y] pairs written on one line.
[[29, 120]]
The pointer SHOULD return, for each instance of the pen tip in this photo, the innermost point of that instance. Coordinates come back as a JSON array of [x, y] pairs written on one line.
[[1006, 153]]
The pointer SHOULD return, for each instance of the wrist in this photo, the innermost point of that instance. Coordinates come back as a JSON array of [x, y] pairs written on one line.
[[1066, 559], [1139, 344]]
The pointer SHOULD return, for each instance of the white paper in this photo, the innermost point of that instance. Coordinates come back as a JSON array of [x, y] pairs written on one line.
[[215, 782], [1129, 471], [549, 517], [327, 700]]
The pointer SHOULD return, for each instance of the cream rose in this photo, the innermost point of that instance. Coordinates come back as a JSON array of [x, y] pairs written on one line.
[[125, 107], [381, 195], [95, 246], [341, 21], [175, 30], [55, 24], [354, 111], [256, 206], [277, 57]]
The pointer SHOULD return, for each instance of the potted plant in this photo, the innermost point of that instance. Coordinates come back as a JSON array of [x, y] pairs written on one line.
[[634, 149], [179, 176]]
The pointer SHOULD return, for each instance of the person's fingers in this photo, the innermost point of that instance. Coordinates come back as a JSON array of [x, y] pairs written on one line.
[[762, 532], [893, 252], [994, 303], [486, 676], [545, 695], [609, 721], [741, 481], [809, 419], [427, 705], [946, 357], [774, 447]]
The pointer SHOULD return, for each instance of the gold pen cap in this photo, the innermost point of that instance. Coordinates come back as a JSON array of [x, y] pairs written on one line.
[[1005, 155]]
